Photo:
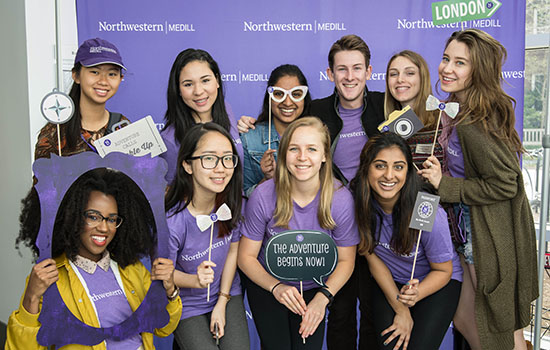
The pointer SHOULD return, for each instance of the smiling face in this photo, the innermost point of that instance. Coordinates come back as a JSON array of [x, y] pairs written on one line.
[[387, 176], [199, 89], [350, 74], [94, 240], [98, 83], [305, 155], [209, 182], [287, 111], [404, 81], [455, 69]]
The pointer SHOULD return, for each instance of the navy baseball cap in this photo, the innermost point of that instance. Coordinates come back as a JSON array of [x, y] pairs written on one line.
[[97, 51]]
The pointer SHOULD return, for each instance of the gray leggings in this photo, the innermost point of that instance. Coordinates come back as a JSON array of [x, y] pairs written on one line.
[[193, 333]]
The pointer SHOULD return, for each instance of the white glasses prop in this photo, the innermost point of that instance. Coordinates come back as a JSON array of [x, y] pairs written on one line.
[[296, 94]]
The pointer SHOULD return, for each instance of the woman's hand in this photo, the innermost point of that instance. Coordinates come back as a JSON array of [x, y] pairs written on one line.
[[163, 270], [291, 298], [401, 327], [205, 273], [42, 276], [315, 313], [268, 164], [218, 316], [408, 295], [246, 123], [432, 171]]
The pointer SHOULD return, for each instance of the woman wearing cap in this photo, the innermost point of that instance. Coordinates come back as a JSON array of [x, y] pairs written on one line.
[[97, 74]]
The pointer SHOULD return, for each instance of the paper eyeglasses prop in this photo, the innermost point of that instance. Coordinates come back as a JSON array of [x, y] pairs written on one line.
[[205, 221], [277, 94], [404, 123], [55, 176]]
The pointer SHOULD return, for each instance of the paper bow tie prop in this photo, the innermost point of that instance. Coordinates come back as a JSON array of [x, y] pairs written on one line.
[[204, 221], [404, 123], [450, 108]]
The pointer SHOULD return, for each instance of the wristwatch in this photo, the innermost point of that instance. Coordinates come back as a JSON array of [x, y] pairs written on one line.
[[326, 293]]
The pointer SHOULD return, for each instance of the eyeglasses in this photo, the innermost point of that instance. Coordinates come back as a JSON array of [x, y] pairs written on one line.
[[93, 218], [296, 94], [210, 161]]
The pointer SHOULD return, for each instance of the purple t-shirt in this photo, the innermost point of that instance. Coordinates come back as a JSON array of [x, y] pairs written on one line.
[[110, 302], [435, 246], [455, 157], [259, 224], [351, 140], [173, 146], [188, 246]]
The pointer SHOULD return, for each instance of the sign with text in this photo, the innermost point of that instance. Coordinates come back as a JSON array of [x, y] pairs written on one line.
[[451, 11], [425, 210], [138, 139], [300, 255]]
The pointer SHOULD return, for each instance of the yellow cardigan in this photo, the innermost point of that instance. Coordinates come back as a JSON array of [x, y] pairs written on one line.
[[23, 326]]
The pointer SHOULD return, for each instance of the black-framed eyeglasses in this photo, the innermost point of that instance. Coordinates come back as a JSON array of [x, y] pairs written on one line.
[[210, 161], [93, 218]]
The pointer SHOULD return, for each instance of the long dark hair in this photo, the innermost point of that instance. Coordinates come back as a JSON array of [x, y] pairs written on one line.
[[178, 113], [181, 191], [134, 239], [290, 70], [71, 130], [368, 216]]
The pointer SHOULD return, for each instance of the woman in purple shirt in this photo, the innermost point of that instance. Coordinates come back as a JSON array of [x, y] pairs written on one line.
[[103, 228], [302, 195], [194, 95], [385, 190], [208, 177]]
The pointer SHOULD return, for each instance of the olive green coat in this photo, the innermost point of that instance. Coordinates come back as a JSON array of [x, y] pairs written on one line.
[[503, 235]]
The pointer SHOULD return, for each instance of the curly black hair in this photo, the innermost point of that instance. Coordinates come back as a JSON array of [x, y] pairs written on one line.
[[134, 239]]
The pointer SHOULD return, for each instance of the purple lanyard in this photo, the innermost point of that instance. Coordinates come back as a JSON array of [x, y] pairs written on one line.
[[91, 146]]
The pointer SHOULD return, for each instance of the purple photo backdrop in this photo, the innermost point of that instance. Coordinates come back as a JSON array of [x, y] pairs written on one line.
[[249, 38]]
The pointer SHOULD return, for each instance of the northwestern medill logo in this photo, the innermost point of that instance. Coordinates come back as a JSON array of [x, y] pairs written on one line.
[[98, 49]]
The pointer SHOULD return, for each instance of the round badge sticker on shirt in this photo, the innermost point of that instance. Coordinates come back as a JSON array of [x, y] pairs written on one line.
[[57, 107]]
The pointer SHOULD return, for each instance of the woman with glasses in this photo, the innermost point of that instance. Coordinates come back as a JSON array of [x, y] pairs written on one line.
[[301, 196], [207, 189], [104, 226], [287, 97], [194, 95]]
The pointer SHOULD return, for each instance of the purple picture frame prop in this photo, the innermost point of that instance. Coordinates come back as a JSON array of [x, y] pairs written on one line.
[[55, 175]]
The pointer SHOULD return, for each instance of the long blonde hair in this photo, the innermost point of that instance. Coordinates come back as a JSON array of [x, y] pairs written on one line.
[[283, 186], [485, 101], [428, 118]]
